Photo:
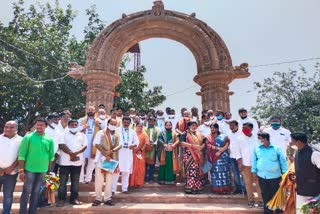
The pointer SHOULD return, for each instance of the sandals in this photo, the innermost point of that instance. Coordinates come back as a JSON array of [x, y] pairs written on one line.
[[96, 203]]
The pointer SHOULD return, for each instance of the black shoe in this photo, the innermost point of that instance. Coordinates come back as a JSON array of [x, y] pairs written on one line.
[[261, 204], [96, 203], [251, 204], [60, 203], [109, 203], [75, 202]]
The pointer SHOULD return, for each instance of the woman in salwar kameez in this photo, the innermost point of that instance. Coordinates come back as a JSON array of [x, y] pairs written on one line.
[[193, 144], [217, 151], [139, 162], [168, 155]]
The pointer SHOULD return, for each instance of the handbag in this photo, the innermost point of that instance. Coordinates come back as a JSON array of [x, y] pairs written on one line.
[[206, 167]]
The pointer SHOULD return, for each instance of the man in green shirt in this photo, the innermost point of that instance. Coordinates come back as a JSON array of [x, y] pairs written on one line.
[[35, 158]]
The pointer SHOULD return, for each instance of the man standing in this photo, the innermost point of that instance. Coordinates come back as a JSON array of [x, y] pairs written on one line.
[[195, 115], [307, 169], [107, 143], [172, 117], [223, 126], [9, 147], [72, 146], [90, 128], [279, 136], [182, 124], [151, 152], [205, 129], [234, 135], [244, 118], [128, 140], [102, 118], [247, 143], [268, 164], [161, 120], [36, 154]]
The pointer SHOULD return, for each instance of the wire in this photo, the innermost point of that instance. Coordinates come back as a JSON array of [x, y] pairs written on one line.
[[285, 62], [29, 78]]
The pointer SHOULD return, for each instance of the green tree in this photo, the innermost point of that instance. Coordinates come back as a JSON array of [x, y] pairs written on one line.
[[294, 96], [134, 93]]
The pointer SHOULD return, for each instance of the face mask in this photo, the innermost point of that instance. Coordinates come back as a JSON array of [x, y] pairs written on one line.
[[243, 117], [132, 115], [172, 116], [208, 123], [73, 130], [168, 129], [142, 117], [111, 127], [219, 117], [102, 117], [90, 114], [294, 147], [227, 120], [247, 132], [160, 117], [151, 126], [275, 125]]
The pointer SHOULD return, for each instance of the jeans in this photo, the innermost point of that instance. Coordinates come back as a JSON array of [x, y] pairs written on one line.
[[238, 180], [149, 172], [31, 186], [74, 172], [8, 183], [269, 187]]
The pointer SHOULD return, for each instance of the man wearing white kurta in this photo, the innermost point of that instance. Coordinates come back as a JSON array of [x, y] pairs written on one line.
[[128, 140], [244, 118]]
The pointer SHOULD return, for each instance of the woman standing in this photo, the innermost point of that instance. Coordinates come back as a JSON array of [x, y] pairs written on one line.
[[218, 156], [139, 162], [168, 155], [193, 144]]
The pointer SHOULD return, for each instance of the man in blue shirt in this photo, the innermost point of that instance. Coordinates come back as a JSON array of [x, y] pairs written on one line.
[[268, 164]]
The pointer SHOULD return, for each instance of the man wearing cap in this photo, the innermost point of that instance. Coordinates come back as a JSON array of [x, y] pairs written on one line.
[[307, 169], [151, 153]]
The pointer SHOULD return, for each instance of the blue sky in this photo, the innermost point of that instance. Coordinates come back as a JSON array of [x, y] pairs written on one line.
[[256, 32]]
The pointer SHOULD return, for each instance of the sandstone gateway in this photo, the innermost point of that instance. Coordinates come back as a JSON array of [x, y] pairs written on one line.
[[214, 65]]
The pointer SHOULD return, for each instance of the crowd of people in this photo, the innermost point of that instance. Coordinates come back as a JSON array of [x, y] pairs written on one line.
[[234, 156]]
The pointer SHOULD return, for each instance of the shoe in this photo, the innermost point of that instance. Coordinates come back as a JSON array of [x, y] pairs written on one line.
[[125, 192], [109, 203], [261, 204], [60, 204], [251, 204], [96, 203], [75, 202], [237, 192]]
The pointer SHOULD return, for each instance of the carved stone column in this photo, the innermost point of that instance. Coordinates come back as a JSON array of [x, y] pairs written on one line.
[[215, 89], [100, 88]]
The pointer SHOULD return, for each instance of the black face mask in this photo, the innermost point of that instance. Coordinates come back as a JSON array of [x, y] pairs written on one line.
[[90, 114], [244, 117], [168, 129]]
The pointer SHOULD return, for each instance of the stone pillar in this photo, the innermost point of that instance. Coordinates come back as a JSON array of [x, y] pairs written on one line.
[[214, 90], [100, 88]]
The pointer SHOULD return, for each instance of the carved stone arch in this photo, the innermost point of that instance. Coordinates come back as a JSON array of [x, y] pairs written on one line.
[[214, 65]]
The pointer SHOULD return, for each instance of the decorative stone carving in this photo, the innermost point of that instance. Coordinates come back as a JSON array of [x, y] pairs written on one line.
[[75, 70], [214, 64]]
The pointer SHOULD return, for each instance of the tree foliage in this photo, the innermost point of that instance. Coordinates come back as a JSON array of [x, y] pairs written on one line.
[[294, 96], [37, 45], [134, 91]]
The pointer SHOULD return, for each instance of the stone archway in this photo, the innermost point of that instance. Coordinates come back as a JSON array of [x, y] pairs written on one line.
[[214, 65]]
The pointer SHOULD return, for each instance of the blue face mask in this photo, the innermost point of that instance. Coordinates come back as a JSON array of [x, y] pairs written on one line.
[[275, 125], [219, 117]]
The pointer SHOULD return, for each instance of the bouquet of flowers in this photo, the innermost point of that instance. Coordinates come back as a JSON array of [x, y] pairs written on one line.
[[51, 183], [311, 206]]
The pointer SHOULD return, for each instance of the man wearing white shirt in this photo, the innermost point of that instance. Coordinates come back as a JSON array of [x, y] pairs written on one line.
[[247, 143], [160, 120], [279, 136], [234, 135], [103, 118], [244, 118], [128, 140], [223, 126], [204, 129], [107, 144], [72, 146], [9, 147], [172, 118]]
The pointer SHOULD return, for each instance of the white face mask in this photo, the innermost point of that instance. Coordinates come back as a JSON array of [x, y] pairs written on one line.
[[294, 147], [172, 116], [160, 117], [73, 130], [111, 127], [54, 125], [208, 123], [132, 115], [102, 117]]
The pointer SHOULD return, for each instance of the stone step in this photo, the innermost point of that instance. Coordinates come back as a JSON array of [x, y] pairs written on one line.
[[156, 196], [147, 208], [90, 187]]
